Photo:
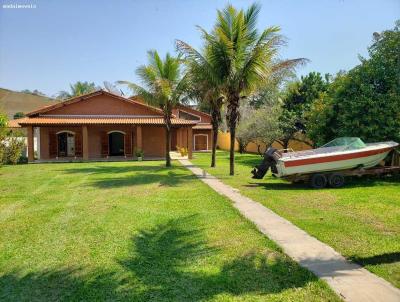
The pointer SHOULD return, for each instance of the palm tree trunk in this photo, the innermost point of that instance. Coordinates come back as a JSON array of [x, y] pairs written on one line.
[[215, 116], [167, 120], [232, 130], [167, 147], [233, 115]]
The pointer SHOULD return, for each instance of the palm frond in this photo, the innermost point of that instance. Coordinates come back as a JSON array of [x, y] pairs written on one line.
[[289, 64]]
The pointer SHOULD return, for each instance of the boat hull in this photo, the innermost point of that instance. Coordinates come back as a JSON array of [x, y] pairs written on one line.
[[331, 163]]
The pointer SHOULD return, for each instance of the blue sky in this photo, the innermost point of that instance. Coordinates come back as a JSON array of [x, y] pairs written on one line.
[[60, 42]]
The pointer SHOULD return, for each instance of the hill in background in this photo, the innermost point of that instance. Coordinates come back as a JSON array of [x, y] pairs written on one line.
[[12, 102]]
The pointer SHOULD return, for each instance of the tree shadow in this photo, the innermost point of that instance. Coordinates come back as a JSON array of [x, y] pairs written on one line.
[[169, 262], [168, 259], [377, 259], [111, 167], [247, 161], [171, 179], [115, 176], [60, 285]]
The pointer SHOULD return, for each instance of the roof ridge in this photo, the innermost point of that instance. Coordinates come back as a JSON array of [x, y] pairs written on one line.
[[88, 95]]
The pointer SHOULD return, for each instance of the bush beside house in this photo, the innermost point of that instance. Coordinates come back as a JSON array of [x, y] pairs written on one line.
[[12, 144]]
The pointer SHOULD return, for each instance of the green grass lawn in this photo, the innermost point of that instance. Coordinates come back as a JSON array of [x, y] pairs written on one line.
[[360, 220], [134, 231]]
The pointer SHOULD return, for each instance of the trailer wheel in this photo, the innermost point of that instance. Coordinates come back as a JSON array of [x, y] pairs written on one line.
[[318, 181], [336, 180]]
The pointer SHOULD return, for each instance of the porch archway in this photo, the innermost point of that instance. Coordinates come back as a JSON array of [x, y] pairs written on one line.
[[116, 143]]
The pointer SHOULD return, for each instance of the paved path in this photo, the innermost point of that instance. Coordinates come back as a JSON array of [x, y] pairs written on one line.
[[350, 281]]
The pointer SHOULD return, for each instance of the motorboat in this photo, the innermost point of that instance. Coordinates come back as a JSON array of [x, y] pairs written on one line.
[[342, 153]]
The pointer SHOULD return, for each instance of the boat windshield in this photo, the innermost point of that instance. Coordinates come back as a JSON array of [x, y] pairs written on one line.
[[346, 143]]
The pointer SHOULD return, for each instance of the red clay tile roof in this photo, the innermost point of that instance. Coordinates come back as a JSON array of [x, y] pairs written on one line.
[[44, 121], [14, 123]]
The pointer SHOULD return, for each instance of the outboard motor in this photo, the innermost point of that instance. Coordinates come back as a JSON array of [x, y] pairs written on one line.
[[268, 162]]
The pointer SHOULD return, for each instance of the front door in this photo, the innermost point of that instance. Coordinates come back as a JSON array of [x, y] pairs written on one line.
[[116, 144], [70, 145], [62, 144], [66, 144], [200, 142]]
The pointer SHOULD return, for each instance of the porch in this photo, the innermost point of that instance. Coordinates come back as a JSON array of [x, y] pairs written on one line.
[[70, 143]]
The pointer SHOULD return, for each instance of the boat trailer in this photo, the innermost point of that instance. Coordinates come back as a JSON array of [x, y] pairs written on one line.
[[333, 179]]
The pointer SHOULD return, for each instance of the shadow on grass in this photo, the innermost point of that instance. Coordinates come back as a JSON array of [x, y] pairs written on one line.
[[351, 182], [170, 179], [251, 162], [281, 185], [60, 285], [115, 176], [115, 168], [377, 259], [169, 262]]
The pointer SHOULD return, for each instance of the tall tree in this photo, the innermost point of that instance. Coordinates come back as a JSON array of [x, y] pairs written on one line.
[[164, 87], [205, 86], [364, 102], [297, 101], [245, 132], [245, 58], [77, 89], [260, 127]]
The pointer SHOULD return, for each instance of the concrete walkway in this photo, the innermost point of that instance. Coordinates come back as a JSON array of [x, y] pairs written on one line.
[[350, 281]]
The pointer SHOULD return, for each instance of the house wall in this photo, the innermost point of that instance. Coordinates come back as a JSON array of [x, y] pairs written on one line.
[[153, 139], [44, 138], [94, 134], [104, 105]]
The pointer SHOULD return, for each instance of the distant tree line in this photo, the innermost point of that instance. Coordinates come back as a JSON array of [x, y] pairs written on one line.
[[34, 92]]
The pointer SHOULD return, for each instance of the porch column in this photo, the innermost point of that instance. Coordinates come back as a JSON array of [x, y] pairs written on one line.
[[190, 142], [85, 142], [179, 137], [31, 156], [139, 137]]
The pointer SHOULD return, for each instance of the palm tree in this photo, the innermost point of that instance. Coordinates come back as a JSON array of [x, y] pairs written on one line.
[[164, 88], [246, 59], [77, 89], [205, 86]]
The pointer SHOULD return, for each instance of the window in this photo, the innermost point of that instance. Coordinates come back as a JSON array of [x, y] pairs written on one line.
[[188, 116]]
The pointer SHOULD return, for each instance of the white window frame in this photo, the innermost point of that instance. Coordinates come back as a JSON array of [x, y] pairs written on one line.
[[194, 141]]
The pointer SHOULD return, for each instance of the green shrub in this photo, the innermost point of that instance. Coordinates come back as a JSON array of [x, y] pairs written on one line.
[[23, 159], [139, 153], [12, 149]]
